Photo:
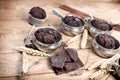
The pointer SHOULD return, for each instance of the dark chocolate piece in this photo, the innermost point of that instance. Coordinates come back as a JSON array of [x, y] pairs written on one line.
[[71, 66], [57, 61], [101, 24], [72, 53], [73, 21], [38, 12], [58, 70], [106, 41], [63, 53], [80, 63], [65, 60]]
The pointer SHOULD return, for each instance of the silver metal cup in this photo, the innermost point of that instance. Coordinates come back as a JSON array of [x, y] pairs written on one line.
[[104, 52], [69, 30], [93, 31], [35, 21], [48, 47]]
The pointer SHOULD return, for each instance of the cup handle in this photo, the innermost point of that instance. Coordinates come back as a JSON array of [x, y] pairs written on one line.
[[57, 13], [88, 18]]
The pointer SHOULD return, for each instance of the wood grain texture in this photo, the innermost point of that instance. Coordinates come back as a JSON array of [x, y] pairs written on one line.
[[14, 27]]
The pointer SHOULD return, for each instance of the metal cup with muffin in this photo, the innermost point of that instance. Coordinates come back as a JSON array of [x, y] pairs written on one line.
[[105, 45], [71, 24]]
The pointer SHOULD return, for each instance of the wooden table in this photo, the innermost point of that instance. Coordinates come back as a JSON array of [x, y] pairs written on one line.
[[14, 27]]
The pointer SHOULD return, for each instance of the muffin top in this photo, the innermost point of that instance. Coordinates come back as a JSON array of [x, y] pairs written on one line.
[[47, 36], [101, 24], [106, 41], [38, 12], [73, 21]]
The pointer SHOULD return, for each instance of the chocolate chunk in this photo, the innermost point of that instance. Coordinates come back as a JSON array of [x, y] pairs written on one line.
[[57, 61], [63, 53], [65, 60], [71, 66], [72, 53], [58, 70], [101, 24], [38, 12], [80, 63], [73, 21], [47, 36], [106, 41]]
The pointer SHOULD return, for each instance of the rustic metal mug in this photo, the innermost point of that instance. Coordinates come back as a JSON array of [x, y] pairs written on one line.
[[35, 21], [48, 47], [104, 52], [93, 31], [69, 30]]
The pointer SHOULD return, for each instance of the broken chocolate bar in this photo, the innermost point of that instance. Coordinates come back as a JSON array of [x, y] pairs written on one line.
[[63, 53], [58, 70], [65, 60], [80, 63], [57, 61], [71, 66], [72, 53]]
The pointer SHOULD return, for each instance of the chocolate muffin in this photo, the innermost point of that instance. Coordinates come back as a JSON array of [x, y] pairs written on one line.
[[73, 21], [106, 41], [47, 36], [101, 24], [38, 12]]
